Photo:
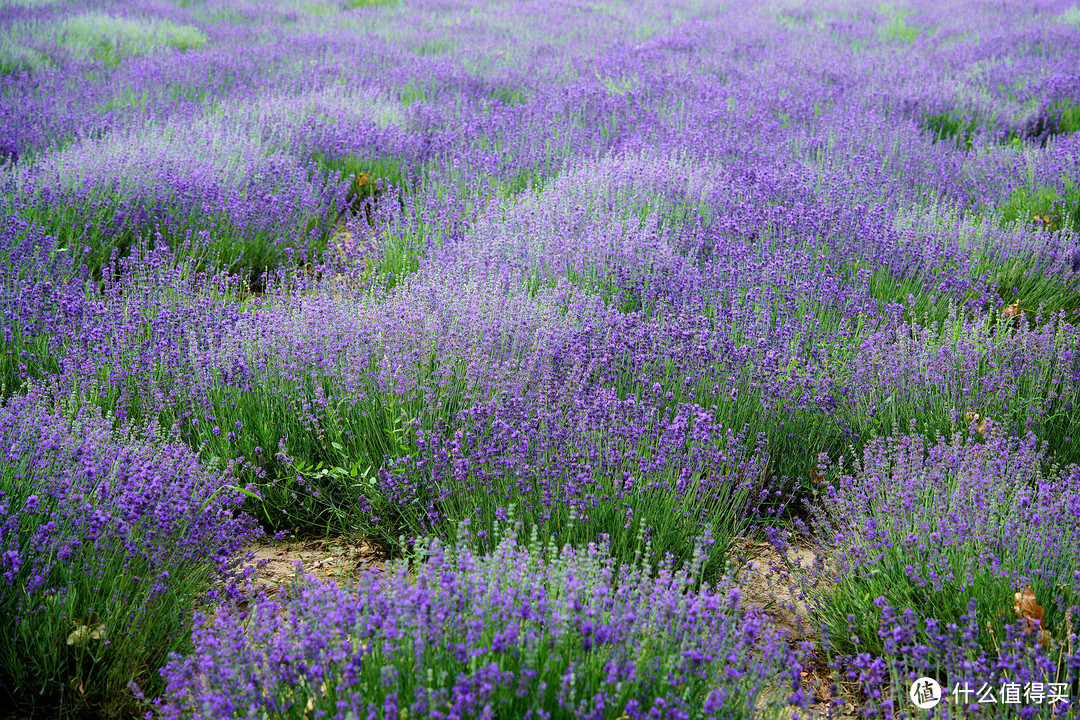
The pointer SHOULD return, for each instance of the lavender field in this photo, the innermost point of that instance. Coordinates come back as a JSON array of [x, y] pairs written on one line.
[[681, 359]]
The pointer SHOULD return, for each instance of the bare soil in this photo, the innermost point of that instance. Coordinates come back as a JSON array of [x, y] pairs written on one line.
[[335, 559], [772, 584]]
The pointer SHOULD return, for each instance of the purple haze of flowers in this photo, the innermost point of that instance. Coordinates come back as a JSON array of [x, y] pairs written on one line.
[[991, 498]]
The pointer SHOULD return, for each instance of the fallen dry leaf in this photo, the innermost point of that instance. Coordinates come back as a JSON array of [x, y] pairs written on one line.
[[83, 633], [1012, 313], [816, 477], [1026, 605], [1047, 222], [983, 423], [1028, 609]]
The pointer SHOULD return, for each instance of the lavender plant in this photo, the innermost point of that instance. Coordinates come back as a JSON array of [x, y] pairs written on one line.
[[530, 629], [108, 544], [1030, 673], [926, 529], [236, 205], [612, 465]]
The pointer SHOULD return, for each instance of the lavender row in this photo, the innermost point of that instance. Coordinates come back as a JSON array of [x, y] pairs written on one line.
[[528, 630]]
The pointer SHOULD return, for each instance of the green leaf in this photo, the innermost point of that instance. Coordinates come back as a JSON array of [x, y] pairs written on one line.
[[234, 488], [244, 491]]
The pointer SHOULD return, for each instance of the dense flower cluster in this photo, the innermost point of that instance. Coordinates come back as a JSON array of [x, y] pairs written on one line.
[[78, 487], [1022, 677], [105, 526], [931, 551], [526, 631]]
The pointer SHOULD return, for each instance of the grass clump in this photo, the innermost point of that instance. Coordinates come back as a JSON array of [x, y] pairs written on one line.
[[950, 126], [1061, 118], [357, 4], [899, 29], [1044, 208], [97, 36]]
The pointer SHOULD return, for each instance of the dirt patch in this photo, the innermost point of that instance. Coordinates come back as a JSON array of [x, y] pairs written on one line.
[[336, 559], [775, 585]]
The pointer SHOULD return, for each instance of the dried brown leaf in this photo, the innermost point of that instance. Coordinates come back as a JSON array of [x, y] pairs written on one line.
[[982, 424], [1028, 609], [1013, 312]]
